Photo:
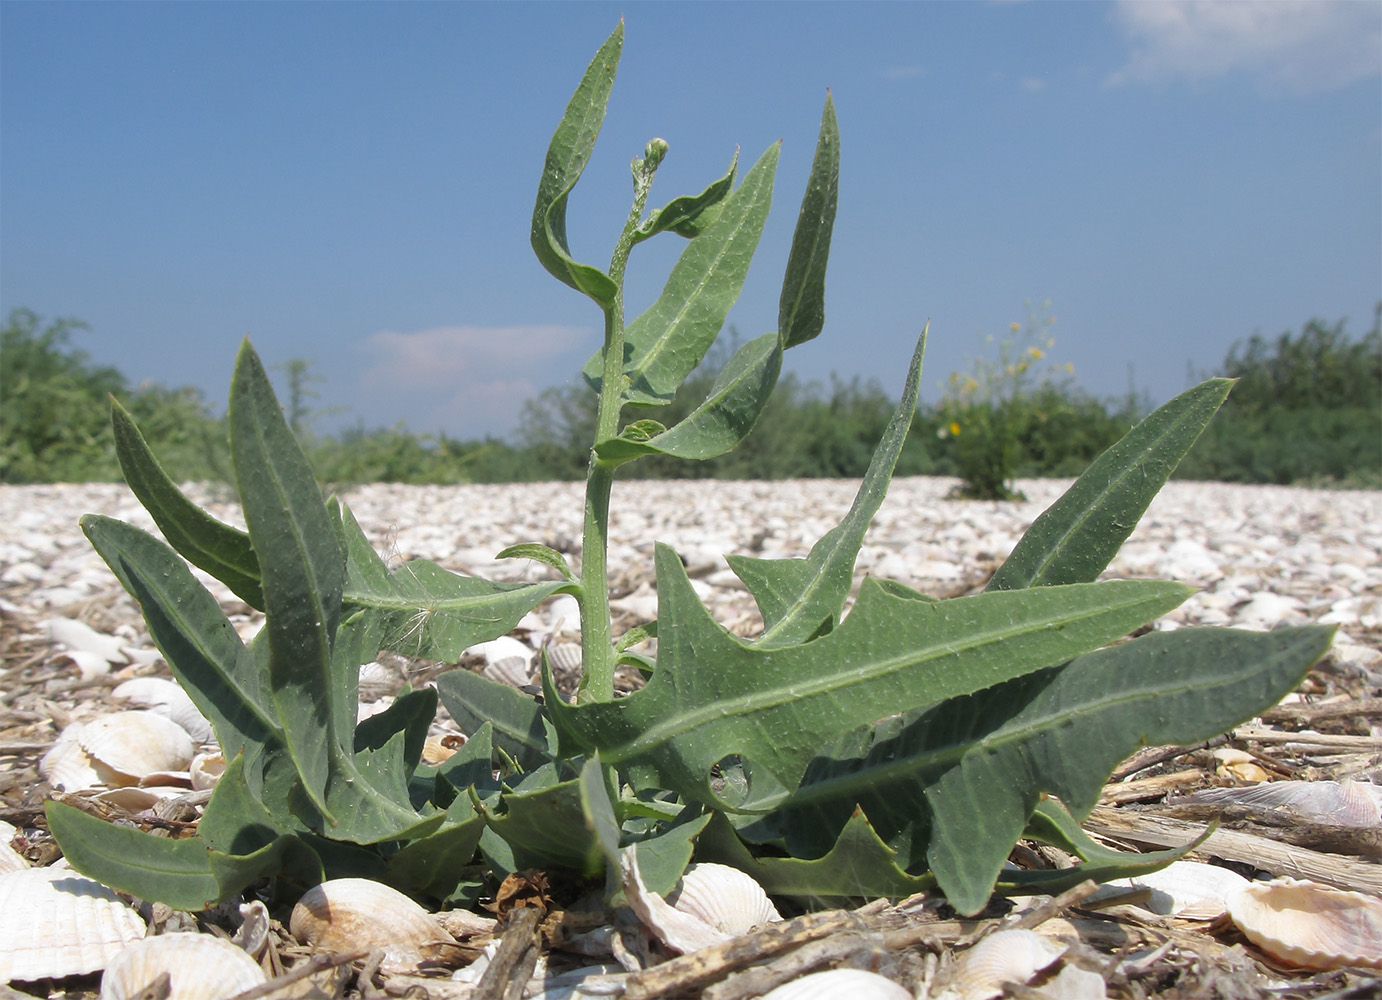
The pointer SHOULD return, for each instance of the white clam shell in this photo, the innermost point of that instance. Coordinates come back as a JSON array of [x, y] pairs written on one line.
[[166, 697], [66, 766], [836, 984], [199, 967], [56, 923], [1011, 956], [1189, 889], [10, 859], [80, 637], [126, 746], [725, 898], [356, 914], [1310, 925], [206, 769]]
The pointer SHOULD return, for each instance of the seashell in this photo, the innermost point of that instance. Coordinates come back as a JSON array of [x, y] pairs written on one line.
[[440, 748], [564, 656], [56, 923], [1074, 983], [1335, 803], [253, 933], [135, 798], [515, 671], [1310, 925], [66, 766], [10, 859], [503, 648], [167, 698], [206, 769], [126, 746], [356, 914], [1011, 956], [854, 983], [198, 966], [725, 898], [80, 637], [1192, 890], [1240, 765], [681, 932], [564, 614]]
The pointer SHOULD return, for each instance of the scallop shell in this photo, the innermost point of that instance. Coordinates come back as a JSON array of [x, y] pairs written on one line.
[[854, 983], [10, 859], [1336, 803], [726, 898], [199, 967], [167, 698], [437, 749], [66, 766], [564, 656], [1011, 956], [356, 914], [1310, 925], [126, 746], [56, 923]]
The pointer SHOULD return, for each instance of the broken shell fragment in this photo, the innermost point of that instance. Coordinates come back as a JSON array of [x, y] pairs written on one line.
[[1011, 956], [855, 983], [10, 859], [725, 898], [55, 923], [1310, 925], [357, 914], [206, 769], [198, 967]]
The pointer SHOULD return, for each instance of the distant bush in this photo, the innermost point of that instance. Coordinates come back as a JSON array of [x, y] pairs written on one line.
[[1306, 409]]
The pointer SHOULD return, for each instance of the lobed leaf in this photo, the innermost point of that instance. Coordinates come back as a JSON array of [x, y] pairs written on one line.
[[713, 695], [665, 343], [567, 155], [219, 674], [801, 308], [519, 722], [1077, 536], [730, 410], [223, 551], [952, 787], [798, 596], [543, 821]]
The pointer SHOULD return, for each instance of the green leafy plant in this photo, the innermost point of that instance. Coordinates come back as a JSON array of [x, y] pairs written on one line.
[[985, 411], [905, 745]]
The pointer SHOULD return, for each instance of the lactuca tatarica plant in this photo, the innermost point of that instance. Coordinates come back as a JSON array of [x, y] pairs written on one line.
[[907, 745]]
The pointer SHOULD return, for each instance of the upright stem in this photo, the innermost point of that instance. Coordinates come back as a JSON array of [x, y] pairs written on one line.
[[597, 645]]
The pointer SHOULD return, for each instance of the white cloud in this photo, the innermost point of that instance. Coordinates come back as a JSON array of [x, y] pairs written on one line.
[[468, 380], [1032, 83], [1301, 46]]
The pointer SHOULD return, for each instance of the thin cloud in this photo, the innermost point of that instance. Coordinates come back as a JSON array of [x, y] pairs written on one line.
[[1301, 46], [465, 379], [1032, 83], [902, 72]]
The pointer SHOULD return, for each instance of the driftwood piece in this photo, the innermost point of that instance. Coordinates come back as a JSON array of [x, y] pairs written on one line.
[[1232, 845]]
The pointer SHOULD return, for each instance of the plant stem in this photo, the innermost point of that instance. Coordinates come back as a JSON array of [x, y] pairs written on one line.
[[597, 648]]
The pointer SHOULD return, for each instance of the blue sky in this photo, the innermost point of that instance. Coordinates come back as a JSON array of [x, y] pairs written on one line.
[[351, 184]]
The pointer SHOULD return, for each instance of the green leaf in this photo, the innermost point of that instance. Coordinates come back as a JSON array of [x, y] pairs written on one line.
[[519, 722], [425, 611], [544, 824], [184, 874], [1078, 535], [690, 216], [219, 674], [438, 863], [567, 155], [797, 595], [410, 714], [205, 542], [953, 787], [544, 554], [665, 343], [801, 309], [303, 570], [714, 695], [736, 399]]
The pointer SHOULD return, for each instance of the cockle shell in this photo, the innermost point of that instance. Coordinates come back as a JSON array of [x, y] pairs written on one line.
[[1310, 925], [356, 914], [56, 923], [126, 746], [1336, 803], [726, 898], [66, 766], [1011, 956], [10, 859], [1192, 890], [199, 967], [856, 984], [167, 698], [437, 749]]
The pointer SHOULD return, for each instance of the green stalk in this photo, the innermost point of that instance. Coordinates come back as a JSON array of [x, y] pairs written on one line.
[[597, 645]]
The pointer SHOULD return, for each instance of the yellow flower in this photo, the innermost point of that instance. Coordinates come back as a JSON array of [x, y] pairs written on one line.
[[1014, 327], [1036, 352], [954, 428]]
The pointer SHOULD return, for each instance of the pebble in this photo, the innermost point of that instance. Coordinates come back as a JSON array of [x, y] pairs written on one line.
[[1262, 556]]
